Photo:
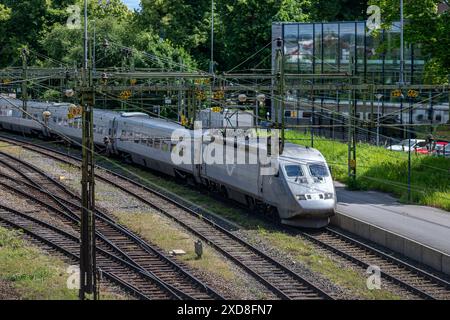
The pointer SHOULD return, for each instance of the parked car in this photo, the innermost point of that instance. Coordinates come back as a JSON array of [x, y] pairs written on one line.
[[436, 147], [409, 144], [442, 149]]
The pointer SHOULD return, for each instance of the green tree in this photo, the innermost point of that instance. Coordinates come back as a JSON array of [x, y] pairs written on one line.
[[66, 45], [339, 10], [5, 13], [24, 27], [184, 22], [247, 28], [242, 27], [426, 27]]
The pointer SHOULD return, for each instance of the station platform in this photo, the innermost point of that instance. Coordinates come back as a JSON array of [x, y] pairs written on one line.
[[426, 227]]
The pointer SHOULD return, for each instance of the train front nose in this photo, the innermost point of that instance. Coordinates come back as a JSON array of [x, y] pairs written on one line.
[[316, 202]]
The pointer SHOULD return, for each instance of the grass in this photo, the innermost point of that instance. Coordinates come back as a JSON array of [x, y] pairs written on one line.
[[33, 274], [316, 262], [300, 250], [387, 171], [160, 231]]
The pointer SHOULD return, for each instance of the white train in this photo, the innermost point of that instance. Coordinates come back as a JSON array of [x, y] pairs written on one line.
[[422, 113], [301, 192]]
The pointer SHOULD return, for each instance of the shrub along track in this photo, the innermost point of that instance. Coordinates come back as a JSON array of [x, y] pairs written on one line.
[[125, 259], [278, 278]]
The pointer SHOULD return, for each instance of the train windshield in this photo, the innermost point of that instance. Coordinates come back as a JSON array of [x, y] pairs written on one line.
[[318, 170], [293, 171]]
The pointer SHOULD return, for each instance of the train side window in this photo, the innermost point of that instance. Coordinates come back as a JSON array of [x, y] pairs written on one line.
[[150, 142], [157, 144], [137, 137], [165, 147], [438, 117]]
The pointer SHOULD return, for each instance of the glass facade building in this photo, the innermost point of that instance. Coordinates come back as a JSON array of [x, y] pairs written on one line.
[[321, 48]]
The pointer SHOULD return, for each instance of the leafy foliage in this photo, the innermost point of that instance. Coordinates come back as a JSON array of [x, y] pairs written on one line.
[[427, 27], [343, 10], [180, 30], [5, 12]]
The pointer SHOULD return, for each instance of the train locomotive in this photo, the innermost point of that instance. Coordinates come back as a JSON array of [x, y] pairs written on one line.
[[300, 193]]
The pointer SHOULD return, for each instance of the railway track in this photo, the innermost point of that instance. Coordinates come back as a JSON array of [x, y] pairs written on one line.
[[279, 279], [113, 268], [411, 278], [111, 237]]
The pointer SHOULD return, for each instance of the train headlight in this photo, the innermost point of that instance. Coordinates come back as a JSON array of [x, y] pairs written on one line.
[[300, 197], [46, 114], [329, 196]]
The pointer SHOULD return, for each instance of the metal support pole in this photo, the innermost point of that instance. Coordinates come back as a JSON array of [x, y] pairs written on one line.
[[88, 282], [402, 46], [431, 112], [257, 112], [401, 116], [279, 112], [378, 96], [352, 134], [448, 101], [313, 120], [211, 68], [24, 82], [409, 149]]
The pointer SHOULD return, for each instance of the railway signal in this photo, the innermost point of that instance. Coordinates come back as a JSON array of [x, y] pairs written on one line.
[[396, 93], [413, 93]]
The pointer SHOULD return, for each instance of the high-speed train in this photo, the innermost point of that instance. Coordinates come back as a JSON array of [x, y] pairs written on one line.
[[300, 191]]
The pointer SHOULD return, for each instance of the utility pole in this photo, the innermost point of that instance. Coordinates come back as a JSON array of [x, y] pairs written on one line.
[[88, 281], [409, 146], [279, 112], [402, 46], [312, 119], [24, 82], [211, 67], [351, 129], [378, 96]]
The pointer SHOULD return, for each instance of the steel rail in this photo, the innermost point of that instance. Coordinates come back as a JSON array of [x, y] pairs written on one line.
[[111, 223], [278, 291], [125, 284]]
